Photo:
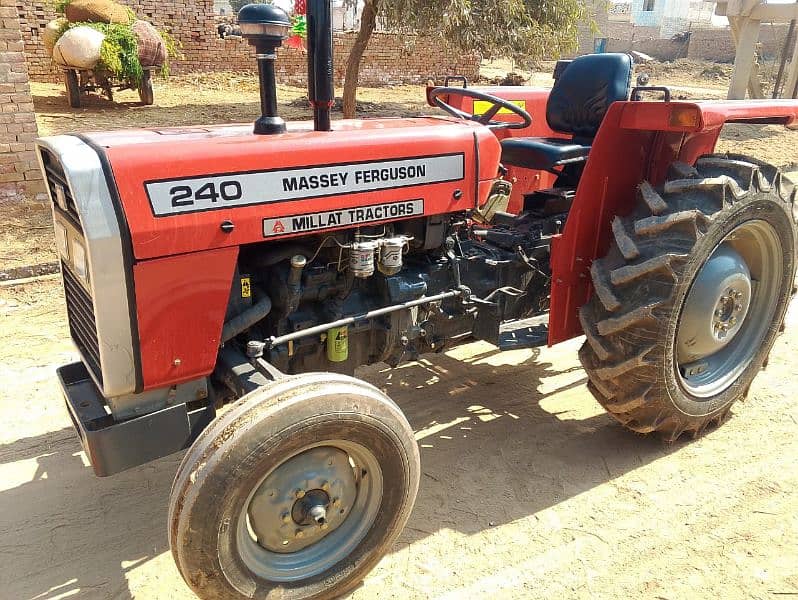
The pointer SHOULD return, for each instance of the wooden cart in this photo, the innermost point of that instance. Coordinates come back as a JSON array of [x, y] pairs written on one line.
[[80, 81]]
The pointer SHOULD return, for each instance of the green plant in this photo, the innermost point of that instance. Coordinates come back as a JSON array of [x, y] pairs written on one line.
[[119, 52]]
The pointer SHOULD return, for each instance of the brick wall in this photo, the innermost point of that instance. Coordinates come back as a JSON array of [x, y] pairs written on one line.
[[388, 59], [19, 171], [717, 45]]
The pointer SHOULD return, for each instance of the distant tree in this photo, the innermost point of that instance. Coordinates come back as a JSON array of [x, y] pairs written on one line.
[[525, 30]]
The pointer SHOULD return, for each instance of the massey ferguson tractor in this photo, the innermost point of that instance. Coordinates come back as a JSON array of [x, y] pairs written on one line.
[[252, 271]]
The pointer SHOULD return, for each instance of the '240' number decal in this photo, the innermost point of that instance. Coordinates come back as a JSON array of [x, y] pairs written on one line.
[[185, 195]]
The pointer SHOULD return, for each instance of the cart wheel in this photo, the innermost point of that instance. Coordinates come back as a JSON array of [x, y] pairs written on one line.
[[295, 493], [72, 88], [145, 89]]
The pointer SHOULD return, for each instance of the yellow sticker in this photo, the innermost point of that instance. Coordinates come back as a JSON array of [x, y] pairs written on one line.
[[483, 106], [246, 288]]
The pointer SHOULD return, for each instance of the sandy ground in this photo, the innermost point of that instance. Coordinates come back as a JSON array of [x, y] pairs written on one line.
[[528, 489]]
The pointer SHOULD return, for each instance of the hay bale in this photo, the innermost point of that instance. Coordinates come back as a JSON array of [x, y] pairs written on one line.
[[51, 33], [152, 49], [78, 48], [96, 11]]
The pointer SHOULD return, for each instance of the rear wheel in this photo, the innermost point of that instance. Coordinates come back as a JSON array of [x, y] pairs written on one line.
[[295, 493], [691, 295]]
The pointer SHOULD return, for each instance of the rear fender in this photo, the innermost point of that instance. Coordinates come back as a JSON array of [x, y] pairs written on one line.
[[637, 141]]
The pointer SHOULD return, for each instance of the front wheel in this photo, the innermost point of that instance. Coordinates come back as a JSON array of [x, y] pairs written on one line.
[[691, 295], [295, 493]]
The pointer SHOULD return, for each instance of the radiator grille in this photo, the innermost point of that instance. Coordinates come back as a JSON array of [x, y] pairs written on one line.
[[56, 179], [82, 326]]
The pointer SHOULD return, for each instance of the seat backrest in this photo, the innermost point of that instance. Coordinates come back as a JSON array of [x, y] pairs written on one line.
[[584, 91]]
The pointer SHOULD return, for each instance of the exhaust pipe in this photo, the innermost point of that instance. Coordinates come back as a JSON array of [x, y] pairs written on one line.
[[321, 90]]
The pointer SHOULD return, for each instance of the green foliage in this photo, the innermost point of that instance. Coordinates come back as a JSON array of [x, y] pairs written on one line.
[[60, 6], [173, 50], [526, 30], [119, 52]]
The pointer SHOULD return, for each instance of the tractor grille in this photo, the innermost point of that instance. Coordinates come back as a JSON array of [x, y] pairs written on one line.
[[82, 326], [55, 180]]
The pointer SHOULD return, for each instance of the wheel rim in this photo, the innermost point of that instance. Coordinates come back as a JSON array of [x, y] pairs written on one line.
[[310, 511], [729, 309]]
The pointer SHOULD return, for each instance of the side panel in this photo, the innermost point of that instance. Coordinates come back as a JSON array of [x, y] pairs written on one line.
[[181, 304]]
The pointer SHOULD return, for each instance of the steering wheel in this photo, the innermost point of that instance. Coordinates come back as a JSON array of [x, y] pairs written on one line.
[[486, 119]]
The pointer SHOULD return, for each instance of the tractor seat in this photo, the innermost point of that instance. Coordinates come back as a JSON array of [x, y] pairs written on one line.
[[577, 103], [542, 153]]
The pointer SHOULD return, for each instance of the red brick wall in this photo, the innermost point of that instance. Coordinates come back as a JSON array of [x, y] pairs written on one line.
[[389, 58], [19, 171]]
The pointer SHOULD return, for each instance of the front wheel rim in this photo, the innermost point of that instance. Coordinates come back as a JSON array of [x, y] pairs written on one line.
[[310, 511], [729, 309]]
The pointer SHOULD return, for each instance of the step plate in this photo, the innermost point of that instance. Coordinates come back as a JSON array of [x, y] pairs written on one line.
[[526, 333]]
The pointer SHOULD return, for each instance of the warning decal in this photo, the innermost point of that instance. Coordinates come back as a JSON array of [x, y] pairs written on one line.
[[341, 218]]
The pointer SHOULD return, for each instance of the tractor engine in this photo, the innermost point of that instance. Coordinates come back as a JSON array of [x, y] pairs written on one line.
[[485, 275]]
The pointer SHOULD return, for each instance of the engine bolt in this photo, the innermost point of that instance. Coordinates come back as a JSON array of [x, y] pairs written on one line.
[[326, 486], [299, 494], [336, 502], [325, 526], [299, 533], [733, 321], [738, 307], [286, 517]]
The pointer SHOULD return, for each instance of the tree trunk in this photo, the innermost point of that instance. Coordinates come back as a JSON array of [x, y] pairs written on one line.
[[368, 22]]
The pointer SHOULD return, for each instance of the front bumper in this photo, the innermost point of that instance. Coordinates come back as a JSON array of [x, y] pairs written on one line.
[[113, 446]]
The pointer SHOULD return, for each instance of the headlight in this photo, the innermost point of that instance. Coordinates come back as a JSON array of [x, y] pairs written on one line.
[[61, 240], [79, 261]]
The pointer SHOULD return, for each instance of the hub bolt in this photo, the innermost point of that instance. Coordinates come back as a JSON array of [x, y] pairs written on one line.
[[299, 533], [326, 486], [299, 494]]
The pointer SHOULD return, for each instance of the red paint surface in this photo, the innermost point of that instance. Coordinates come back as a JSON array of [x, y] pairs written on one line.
[[635, 142], [185, 263], [181, 302], [217, 150]]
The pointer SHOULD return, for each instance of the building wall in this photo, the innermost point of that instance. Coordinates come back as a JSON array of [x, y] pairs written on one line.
[[389, 59], [19, 171]]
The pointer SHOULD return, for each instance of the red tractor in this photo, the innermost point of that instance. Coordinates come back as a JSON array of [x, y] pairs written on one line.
[[216, 266]]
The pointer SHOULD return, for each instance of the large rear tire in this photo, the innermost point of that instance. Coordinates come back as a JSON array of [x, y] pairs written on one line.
[[691, 295], [295, 493]]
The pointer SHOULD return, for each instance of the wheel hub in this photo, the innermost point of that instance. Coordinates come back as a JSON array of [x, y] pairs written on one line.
[[716, 307], [303, 500]]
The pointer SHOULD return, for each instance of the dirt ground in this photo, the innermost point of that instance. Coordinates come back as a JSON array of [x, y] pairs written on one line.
[[528, 489]]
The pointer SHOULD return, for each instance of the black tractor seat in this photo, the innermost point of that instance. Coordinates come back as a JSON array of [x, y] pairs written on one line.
[[580, 98], [542, 153]]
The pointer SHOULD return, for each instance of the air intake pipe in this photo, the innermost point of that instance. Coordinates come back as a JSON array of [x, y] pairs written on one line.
[[321, 91]]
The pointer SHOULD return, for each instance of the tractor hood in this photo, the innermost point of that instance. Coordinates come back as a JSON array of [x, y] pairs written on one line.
[[188, 189]]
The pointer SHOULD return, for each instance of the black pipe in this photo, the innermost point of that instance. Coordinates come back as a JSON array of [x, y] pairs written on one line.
[[321, 90], [268, 122], [240, 323]]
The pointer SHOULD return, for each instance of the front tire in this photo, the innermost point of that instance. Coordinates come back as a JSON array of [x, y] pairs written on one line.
[[690, 297], [295, 493]]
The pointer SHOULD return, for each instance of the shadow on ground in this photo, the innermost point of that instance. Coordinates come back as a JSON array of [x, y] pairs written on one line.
[[490, 455]]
